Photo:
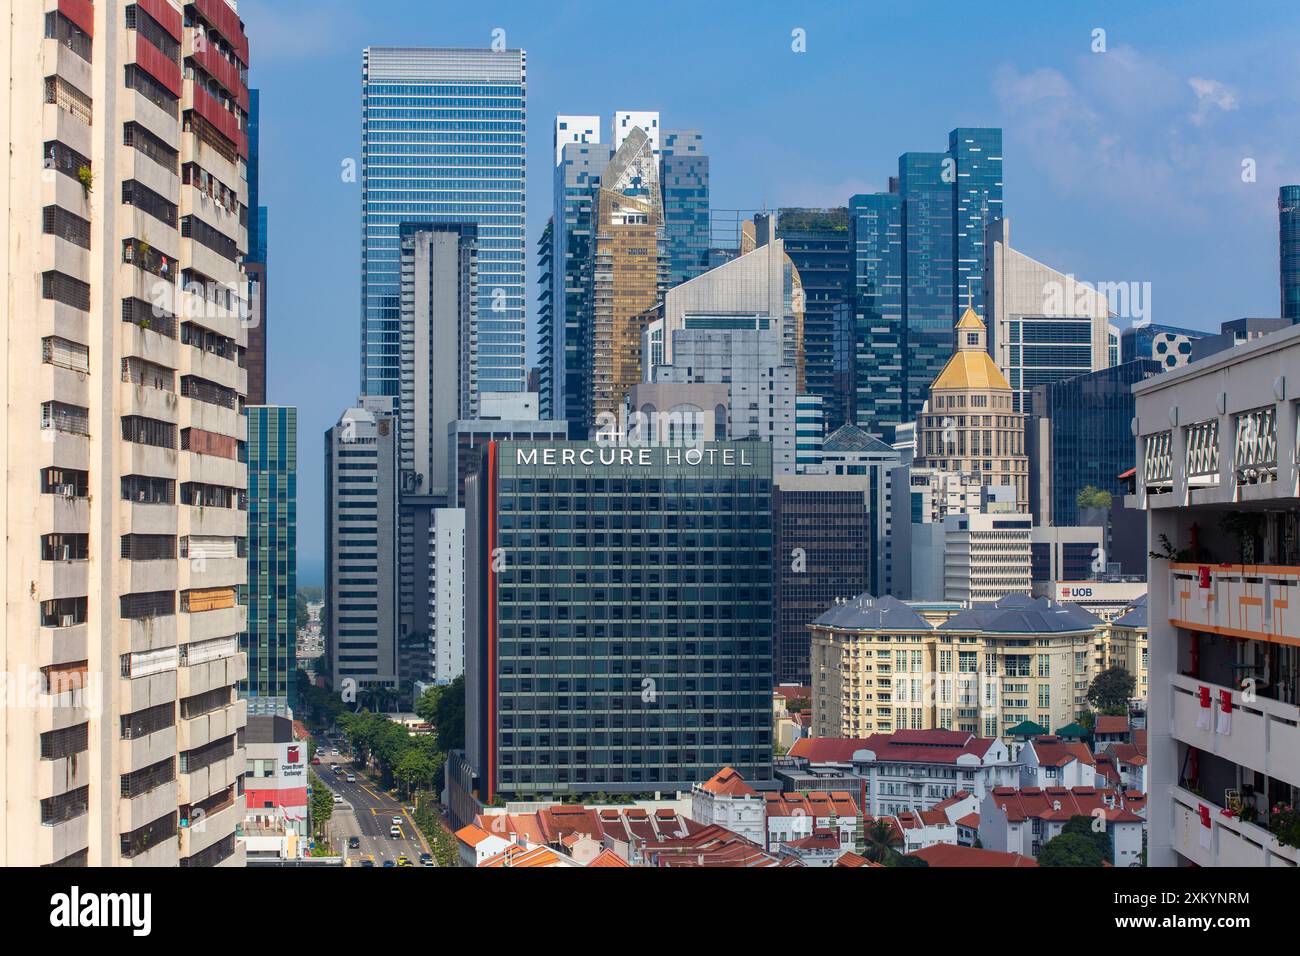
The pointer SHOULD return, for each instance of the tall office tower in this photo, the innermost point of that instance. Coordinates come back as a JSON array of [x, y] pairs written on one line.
[[543, 377], [760, 289], [439, 385], [927, 184], [125, 197], [877, 296], [656, 630], [1080, 434], [1044, 325], [809, 432], [628, 274], [442, 141], [969, 423], [361, 563], [1288, 220], [255, 260], [1217, 470], [684, 173], [447, 594], [819, 243], [748, 362], [977, 204], [271, 637], [822, 552], [580, 160]]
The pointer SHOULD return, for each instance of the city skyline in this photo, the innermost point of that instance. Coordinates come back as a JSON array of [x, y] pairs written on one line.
[[1117, 201]]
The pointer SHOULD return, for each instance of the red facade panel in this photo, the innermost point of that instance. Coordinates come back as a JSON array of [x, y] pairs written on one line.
[[221, 119], [80, 12], [224, 72], [157, 64], [226, 22], [168, 17], [210, 443]]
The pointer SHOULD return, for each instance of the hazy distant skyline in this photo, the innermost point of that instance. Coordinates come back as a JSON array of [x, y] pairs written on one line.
[[1123, 165]]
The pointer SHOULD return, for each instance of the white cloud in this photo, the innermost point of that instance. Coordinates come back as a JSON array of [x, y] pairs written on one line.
[[1210, 95]]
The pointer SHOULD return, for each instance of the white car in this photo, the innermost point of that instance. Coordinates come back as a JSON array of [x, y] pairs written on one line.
[[352, 778], [397, 821], [338, 798], [394, 832]]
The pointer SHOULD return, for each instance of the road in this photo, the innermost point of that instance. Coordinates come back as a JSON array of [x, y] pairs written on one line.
[[367, 812]]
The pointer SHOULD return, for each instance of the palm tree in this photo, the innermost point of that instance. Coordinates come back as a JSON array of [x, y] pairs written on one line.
[[881, 839]]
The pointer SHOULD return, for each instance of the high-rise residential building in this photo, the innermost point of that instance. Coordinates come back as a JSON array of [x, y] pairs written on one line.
[[1288, 221], [1080, 434], [447, 594], [443, 142], [1044, 325], [126, 202], [1217, 470], [809, 432], [819, 243], [823, 551], [628, 275], [618, 618], [880, 666], [879, 402], [361, 552], [270, 638], [969, 423]]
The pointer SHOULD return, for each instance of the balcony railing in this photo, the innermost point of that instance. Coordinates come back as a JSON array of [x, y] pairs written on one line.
[[1256, 602], [1158, 462], [1203, 833], [1256, 450]]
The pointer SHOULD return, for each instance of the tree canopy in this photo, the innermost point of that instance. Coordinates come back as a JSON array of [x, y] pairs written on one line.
[[1090, 496], [1111, 690]]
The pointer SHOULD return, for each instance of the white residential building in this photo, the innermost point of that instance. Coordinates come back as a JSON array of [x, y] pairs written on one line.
[[447, 593]]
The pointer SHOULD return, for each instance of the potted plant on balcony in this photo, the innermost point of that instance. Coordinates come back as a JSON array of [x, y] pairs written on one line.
[[1284, 824], [86, 177]]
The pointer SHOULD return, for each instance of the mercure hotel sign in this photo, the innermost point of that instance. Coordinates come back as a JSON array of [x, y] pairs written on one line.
[[643, 457]]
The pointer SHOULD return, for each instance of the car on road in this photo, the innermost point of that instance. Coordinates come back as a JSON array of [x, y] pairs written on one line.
[[403, 861], [426, 859], [395, 831], [334, 752], [315, 761], [367, 862], [389, 863], [338, 797], [354, 842], [397, 821], [352, 778]]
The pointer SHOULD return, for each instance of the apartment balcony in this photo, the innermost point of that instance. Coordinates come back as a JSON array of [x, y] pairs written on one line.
[[161, 855], [211, 520], [59, 840], [142, 576], [1232, 842], [206, 572], [141, 459], [209, 675], [68, 257], [134, 106], [61, 645], [56, 383], [136, 812], [1255, 602], [150, 343], [69, 129], [138, 517], [211, 726], [213, 367], [198, 785], [62, 579], [58, 514], [1265, 734], [211, 827], [211, 313], [59, 776], [211, 263], [149, 401], [149, 691], [57, 59], [136, 753], [133, 164], [212, 418], [152, 633]]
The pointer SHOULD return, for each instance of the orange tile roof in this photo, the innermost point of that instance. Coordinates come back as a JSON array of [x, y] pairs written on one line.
[[951, 855], [729, 783], [516, 856], [811, 804], [471, 835], [1055, 752], [1111, 724], [1060, 803], [850, 859], [608, 857]]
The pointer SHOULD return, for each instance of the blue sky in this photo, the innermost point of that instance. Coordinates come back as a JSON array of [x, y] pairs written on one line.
[[1123, 165]]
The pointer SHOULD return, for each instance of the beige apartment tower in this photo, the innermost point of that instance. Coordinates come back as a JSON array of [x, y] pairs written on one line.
[[124, 187]]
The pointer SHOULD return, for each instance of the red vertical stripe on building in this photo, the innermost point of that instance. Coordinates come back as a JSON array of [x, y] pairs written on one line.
[[491, 771], [80, 12], [168, 17], [227, 23], [154, 62]]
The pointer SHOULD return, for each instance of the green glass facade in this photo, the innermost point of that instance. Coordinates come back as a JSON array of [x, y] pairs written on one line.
[[271, 638], [625, 642]]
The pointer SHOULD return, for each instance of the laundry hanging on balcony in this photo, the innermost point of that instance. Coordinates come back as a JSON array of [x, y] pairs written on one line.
[[1223, 725], [1203, 715]]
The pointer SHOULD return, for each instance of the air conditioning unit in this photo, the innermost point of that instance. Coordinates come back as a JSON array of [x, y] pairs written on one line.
[[67, 620]]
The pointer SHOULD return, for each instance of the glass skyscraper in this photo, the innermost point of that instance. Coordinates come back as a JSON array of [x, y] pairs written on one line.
[[1288, 220], [684, 179], [618, 616], [271, 638], [879, 334], [443, 141]]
